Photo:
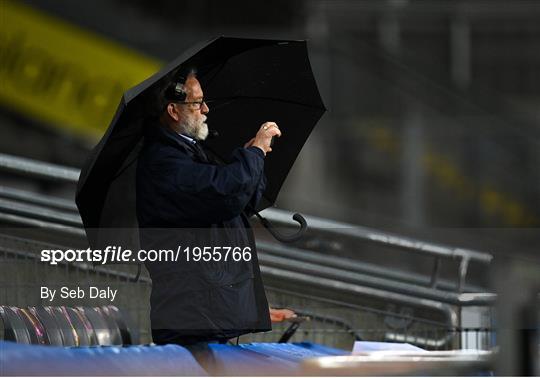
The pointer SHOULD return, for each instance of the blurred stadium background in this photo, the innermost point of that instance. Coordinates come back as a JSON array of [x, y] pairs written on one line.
[[431, 144]]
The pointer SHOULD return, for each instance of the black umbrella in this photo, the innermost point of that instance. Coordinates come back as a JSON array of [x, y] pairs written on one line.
[[250, 81]]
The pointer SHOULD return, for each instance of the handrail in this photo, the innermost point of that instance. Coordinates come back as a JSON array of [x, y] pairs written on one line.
[[432, 342], [465, 256], [29, 222], [273, 248], [319, 271], [57, 172], [282, 274], [40, 212], [38, 169], [380, 237], [349, 264], [37, 199]]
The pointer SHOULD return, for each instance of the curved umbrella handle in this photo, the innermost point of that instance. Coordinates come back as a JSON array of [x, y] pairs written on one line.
[[285, 238]]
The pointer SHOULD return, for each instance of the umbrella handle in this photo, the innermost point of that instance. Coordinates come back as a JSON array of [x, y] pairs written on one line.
[[285, 238]]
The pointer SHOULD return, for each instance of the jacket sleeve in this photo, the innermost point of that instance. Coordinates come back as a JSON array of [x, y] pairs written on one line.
[[257, 195], [205, 193]]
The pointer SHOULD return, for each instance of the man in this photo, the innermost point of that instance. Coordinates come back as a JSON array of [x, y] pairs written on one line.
[[184, 198]]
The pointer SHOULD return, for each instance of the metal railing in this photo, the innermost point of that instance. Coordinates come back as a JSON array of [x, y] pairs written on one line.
[[438, 251], [38, 169], [343, 284], [332, 322], [271, 255]]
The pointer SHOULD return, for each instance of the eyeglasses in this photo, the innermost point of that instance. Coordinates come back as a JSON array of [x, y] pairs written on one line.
[[195, 105]]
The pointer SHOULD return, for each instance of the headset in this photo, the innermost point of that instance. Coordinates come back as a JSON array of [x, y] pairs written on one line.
[[176, 91]]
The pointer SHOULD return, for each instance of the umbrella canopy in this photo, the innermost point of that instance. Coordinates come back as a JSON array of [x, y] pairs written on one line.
[[248, 82]]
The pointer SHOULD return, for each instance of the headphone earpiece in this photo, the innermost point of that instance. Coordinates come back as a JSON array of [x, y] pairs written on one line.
[[176, 92]]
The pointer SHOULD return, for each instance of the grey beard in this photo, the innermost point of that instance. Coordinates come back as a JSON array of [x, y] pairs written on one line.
[[198, 131]]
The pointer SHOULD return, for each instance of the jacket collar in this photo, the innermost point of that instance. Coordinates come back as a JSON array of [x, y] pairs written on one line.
[[171, 137], [189, 139]]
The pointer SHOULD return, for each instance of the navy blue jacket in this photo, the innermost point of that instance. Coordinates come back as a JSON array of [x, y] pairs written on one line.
[[186, 199]]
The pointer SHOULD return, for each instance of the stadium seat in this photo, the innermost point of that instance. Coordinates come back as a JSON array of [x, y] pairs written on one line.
[[45, 316], [36, 360], [82, 326], [69, 334], [65, 326], [98, 324], [14, 327], [268, 358], [33, 325], [114, 313]]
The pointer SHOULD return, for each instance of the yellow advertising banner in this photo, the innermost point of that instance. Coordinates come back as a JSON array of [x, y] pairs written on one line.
[[61, 74]]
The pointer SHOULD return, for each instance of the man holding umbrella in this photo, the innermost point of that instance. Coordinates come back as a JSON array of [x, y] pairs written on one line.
[[193, 196], [185, 198]]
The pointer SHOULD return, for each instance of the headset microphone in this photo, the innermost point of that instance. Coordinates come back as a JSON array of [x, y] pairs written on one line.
[[212, 134]]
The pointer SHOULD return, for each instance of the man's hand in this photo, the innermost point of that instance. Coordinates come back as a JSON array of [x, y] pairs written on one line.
[[264, 137], [279, 315], [250, 143]]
